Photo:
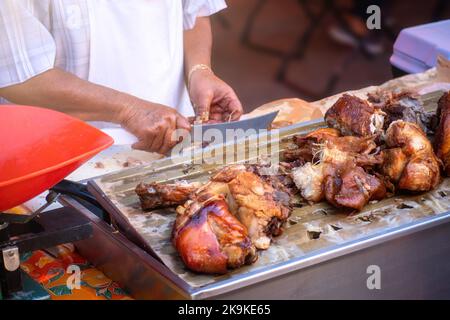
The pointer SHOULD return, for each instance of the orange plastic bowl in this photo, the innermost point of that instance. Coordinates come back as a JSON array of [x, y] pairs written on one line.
[[39, 148]]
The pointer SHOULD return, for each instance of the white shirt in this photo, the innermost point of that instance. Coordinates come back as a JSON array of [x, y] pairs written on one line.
[[37, 35]]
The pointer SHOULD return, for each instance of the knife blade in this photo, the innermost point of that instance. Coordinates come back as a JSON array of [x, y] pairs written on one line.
[[201, 131], [123, 137]]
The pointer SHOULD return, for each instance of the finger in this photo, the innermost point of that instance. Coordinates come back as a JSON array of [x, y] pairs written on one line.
[[203, 104], [216, 112], [146, 141], [191, 120], [182, 123], [143, 145], [140, 145], [235, 107], [215, 116], [216, 108], [158, 140], [169, 142]]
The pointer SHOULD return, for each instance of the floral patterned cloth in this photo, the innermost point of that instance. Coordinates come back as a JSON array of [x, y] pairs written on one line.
[[56, 275]]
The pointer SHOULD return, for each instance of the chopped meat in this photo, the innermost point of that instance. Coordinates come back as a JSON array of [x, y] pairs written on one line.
[[337, 173], [307, 144], [257, 208], [356, 188], [228, 173], [422, 171], [316, 136], [394, 162], [402, 105], [299, 155], [326, 143], [353, 116], [210, 239], [279, 179], [309, 180], [157, 195]]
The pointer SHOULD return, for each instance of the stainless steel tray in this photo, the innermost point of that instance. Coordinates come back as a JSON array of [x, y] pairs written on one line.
[[413, 260], [295, 250]]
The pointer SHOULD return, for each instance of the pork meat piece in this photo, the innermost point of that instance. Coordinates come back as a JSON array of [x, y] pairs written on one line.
[[422, 169], [403, 105], [158, 195], [210, 239], [257, 209], [353, 116]]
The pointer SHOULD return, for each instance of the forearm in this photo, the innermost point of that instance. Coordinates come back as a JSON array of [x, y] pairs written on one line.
[[62, 91], [198, 44]]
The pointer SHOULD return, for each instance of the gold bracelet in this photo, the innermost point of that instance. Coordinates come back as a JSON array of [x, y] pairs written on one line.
[[196, 68]]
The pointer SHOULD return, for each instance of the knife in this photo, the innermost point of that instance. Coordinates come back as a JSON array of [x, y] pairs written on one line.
[[122, 137], [225, 129]]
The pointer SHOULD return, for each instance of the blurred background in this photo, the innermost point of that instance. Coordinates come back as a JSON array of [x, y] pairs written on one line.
[[310, 49]]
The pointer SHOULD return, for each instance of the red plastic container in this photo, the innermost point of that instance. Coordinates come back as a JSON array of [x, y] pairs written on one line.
[[39, 148]]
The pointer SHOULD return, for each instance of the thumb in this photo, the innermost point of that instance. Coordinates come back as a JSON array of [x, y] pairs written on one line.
[[203, 105]]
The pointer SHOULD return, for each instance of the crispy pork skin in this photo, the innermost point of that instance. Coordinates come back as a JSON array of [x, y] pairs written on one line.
[[227, 219], [394, 162], [442, 137], [353, 116], [422, 170], [210, 239], [157, 195]]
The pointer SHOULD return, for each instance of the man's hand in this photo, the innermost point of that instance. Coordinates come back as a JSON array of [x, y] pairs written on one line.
[[154, 125], [212, 95], [56, 89], [208, 93]]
